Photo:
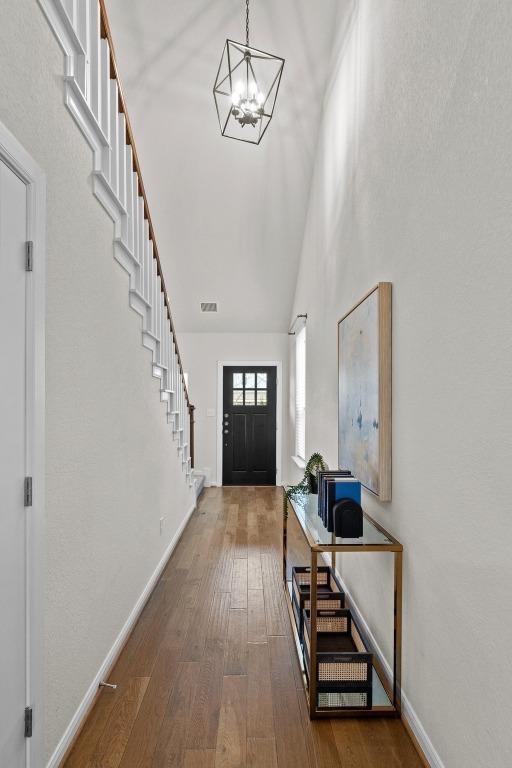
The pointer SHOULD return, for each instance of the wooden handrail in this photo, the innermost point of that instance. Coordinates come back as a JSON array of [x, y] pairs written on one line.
[[114, 73]]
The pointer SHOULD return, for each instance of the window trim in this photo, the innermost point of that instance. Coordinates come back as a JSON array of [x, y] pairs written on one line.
[[300, 408]]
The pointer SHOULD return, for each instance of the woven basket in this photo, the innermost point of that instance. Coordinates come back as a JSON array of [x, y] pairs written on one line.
[[344, 677], [329, 593]]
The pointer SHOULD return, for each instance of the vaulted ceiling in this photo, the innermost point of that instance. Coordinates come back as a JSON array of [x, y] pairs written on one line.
[[228, 216]]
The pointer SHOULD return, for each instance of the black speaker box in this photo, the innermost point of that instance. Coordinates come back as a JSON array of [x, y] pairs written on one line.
[[348, 519]]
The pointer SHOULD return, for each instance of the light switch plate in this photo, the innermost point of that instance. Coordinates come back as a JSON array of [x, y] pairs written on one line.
[[210, 412]]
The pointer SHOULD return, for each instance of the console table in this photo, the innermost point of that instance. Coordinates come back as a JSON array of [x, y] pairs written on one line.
[[321, 543]]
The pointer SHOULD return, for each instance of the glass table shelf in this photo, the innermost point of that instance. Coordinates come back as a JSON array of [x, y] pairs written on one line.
[[323, 548], [306, 512]]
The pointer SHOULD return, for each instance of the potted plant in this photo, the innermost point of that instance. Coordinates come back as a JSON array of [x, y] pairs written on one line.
[[309, 483]]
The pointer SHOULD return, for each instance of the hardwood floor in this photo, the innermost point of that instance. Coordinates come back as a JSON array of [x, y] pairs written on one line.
[[209, 677]]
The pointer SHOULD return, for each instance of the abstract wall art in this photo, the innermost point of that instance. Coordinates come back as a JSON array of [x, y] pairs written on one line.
[[364, 391]]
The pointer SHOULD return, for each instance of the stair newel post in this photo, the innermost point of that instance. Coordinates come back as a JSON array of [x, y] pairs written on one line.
[[191, 409]]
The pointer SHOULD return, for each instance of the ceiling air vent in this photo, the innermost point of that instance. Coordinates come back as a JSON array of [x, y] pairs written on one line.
[[208, 306]]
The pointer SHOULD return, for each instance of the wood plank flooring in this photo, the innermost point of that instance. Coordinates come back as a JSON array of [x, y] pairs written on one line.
[[209, 676]]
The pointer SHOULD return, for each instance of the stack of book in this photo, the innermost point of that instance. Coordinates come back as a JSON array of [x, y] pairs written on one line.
[[334, 485]]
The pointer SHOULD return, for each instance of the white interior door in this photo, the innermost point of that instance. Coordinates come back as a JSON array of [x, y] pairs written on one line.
[[13, 582]]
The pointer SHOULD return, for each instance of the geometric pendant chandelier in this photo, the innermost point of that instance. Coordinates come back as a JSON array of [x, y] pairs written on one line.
[[246, 88]]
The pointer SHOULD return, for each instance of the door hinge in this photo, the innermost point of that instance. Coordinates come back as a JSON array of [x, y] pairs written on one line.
[[27, 495], [29, 256], [28, 722]]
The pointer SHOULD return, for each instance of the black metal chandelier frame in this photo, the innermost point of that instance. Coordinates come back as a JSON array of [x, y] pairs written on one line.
[[246, 106]]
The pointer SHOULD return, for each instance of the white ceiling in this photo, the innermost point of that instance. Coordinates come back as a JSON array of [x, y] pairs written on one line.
[[228, 216]]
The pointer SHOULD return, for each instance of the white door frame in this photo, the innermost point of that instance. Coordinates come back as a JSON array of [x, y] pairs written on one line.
[[277, 364], [22, 164]]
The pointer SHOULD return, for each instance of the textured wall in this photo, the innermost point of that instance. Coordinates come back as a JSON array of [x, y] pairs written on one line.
[[112, 468], [201, 352], [413, 184]]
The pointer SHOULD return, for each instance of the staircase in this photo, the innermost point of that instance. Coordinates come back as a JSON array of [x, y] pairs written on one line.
[[94, 97]]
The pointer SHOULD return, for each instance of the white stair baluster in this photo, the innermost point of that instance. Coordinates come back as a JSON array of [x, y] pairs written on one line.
[[114, 128], [172, 396], [185, 438], [136, 237], [105, 104], [154, 313], [169, 363], [164, 333], [93, 49], [154, 301], [152, 274], [148, 258], [178, 416], [177, 409], [183, 409], [141, 245], [180, 426], [173, 371], [128, 198], [121, 163], [163, 339], [171, 375], [164, 358], [176, 380], [81, 24], [178, 389], [132, 232], [159, 317]]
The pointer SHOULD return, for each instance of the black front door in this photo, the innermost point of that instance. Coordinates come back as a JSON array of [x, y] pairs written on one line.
[[249, 426]]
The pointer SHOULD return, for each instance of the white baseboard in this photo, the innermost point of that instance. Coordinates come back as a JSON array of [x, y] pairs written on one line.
[[111, 656], [408, 711]]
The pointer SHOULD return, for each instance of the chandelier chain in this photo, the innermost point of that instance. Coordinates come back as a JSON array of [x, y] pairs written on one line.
[[247, 23]]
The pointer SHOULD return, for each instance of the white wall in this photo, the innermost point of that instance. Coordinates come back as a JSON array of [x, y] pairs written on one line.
[[201, 353], [112, 467], [413, 184]]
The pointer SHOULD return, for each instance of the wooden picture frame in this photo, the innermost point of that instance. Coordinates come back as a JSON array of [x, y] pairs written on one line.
[[364, 391]]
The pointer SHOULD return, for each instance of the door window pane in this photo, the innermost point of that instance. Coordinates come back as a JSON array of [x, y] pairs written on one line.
[[250, 398], [238, 397], [262, 397], [238, 380], [261, 380], [249, 381]]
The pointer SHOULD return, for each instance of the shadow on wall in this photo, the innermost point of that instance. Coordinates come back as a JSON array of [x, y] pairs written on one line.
[[344, 115]]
